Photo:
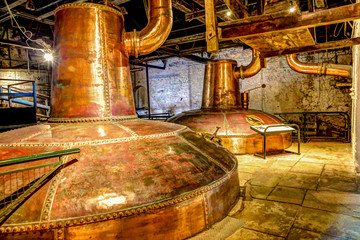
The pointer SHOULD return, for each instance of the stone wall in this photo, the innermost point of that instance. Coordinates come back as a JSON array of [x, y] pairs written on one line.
[[179, 87]]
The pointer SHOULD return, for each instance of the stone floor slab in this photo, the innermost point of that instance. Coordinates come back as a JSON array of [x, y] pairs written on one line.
[[284, 162], [338, 202], [345, 175], [337, 184], [268, 217], [305, 167], [244, 178], [221, 230], [299, 234], [249, 168], [300, 180], [343, 168], [288, 195], [328, 223], [260, 192], [248, 234], [267, 179]]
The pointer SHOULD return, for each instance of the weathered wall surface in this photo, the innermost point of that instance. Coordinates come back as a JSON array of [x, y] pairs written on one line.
[[41, 78], [179, 87]]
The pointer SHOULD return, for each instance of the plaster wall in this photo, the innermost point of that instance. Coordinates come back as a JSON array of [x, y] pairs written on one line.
[[179, 87]]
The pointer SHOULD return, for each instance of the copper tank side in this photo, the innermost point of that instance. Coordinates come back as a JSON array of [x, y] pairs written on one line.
[[226, 86], [91, 75], [319, 68]]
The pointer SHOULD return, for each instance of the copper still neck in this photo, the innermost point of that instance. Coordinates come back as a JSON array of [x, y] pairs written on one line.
[[221, 82], [91, 72], [221, 87]]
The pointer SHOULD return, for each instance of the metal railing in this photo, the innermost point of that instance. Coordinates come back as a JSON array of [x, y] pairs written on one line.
[[12, 94], [306, 121], [17, 184]]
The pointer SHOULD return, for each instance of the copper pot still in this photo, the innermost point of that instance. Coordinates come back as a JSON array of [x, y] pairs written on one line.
[[224, 112], [133, 178]]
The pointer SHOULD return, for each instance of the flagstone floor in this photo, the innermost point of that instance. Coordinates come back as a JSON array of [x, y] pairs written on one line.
[[315, 195]]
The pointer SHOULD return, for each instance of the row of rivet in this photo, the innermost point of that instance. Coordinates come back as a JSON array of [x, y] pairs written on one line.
[[105, 73], [114, 215], [204, 154], [86, 120], [45, 213], [89, 5], [96, 142]]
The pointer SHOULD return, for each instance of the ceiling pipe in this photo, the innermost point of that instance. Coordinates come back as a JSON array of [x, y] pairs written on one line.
[[250, 70], [155, 33], [318, 68]]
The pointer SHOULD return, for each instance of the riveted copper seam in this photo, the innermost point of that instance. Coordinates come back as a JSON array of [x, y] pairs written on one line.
[[103, 48], [46, 210], [155, 33], [97, 142], [204, 154], [76, 221], [89, 5], [206, 210], [318, 68], [87, 120]]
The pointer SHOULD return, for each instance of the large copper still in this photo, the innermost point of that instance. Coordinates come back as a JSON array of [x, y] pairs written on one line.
[[133, 179], [222, 108]]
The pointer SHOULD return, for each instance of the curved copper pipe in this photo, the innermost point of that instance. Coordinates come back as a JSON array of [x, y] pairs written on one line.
[[318, 68], [250, 70], [155, 33]]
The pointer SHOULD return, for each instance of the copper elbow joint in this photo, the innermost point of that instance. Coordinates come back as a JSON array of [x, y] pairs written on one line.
[[155, 33]]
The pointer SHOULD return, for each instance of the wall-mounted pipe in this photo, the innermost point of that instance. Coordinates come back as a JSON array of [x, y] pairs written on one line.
[[155, 33], [250, 70], [318, 68]]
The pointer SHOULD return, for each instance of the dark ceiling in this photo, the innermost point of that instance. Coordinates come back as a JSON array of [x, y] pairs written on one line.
[[37, 16]]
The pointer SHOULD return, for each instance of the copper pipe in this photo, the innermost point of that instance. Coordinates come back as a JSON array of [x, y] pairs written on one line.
[[250, 70], [155, 33], [318, 68], [208, 90]]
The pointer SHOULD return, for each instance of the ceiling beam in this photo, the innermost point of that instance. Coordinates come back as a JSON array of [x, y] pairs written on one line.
[[15, 44], [185, 7], [185, 39], [265, 24], [237, 9], [17, 13], [317, 47], [201, 13], [13, 5], [212, 38]]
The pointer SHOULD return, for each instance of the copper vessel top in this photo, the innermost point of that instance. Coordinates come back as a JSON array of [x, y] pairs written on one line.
[[89, 5], [222, 61]]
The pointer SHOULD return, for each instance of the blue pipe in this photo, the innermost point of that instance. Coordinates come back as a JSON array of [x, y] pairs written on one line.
[[26, 103]]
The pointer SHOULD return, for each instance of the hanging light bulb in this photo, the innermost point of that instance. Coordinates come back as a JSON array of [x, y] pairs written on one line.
[[292, 7], [228, 13], [48, 57]]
